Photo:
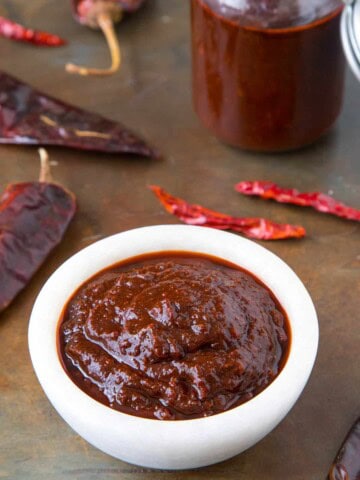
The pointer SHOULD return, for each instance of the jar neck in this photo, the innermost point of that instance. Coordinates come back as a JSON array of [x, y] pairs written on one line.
[[274, 14]]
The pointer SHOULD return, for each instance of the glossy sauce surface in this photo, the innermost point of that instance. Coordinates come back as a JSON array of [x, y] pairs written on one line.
[[267, 75], [173, 336]]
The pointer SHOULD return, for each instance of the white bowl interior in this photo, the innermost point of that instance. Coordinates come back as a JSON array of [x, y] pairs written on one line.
[[173, 444]]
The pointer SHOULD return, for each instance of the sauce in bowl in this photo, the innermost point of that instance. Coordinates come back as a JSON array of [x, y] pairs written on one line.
[[173, 335]]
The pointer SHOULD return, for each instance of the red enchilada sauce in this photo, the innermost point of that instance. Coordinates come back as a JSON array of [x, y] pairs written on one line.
[[173, 336], [268, 75]]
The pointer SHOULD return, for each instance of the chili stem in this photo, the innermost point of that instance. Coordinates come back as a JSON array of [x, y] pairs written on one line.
[[45, 173], [107, 26]]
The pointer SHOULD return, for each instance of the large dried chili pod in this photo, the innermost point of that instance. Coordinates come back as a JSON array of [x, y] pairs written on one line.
[[30, 117], [103, 15], [346, 465], [33, 219]]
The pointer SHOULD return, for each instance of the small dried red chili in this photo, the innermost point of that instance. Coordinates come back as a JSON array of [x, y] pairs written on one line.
[[15, 31], [346, 465], [259, 228], [102, 14], [33, 219], [319, 201], [30, 117]]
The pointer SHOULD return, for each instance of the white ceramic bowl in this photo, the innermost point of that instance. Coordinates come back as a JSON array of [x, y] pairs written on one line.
[[173, 444]]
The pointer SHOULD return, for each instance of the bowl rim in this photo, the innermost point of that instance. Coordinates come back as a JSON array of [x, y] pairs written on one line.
[[277, 398]]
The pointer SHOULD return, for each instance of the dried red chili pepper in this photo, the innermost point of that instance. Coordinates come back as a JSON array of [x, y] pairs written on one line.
[[102, 14], [30, 117], [346, 465], [259, 228], [319, 201], [33, 219], [15, 31]]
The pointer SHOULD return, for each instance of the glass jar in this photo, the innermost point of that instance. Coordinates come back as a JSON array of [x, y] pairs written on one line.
[[268, 75]]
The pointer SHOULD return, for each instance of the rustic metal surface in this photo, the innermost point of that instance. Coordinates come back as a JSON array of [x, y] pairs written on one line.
[[152, 95]]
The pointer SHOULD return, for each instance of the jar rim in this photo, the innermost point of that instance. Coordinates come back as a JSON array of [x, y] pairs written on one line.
[[336, 11]]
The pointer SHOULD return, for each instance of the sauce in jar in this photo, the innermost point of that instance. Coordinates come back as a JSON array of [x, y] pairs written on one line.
[[268, 75], [173, 336]]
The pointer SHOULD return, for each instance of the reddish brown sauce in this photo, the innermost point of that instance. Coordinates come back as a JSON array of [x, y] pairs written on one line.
[[267, 75], [173, 336]]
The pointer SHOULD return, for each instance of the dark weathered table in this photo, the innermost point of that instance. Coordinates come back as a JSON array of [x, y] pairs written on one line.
[[152, 95]]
